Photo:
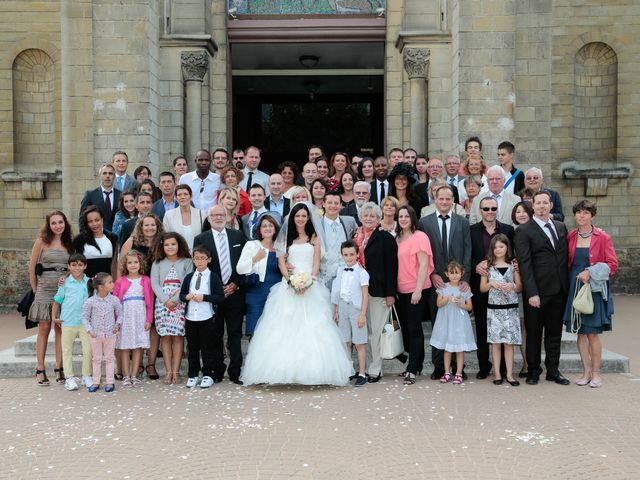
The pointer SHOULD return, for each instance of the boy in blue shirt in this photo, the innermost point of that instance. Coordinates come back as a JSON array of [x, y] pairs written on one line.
[[67, 312]]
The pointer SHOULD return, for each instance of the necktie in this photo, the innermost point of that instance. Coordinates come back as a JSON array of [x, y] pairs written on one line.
[[121, 183], [223, 258], [107, 204], [452, 182], [347, 269], [445, 244], [249, 181], [554, 237], [255, 216], [198, 281], [382, 195]]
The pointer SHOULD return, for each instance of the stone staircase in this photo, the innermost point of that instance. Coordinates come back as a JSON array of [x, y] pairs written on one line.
[[20, 360]]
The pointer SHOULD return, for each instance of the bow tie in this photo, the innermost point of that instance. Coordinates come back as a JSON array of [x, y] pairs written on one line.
[[347, 269]]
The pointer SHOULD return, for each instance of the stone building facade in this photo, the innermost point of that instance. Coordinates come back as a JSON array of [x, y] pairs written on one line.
[[80, 79]]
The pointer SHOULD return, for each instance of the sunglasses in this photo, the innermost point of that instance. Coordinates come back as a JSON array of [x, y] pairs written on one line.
[[489, 209], [238, 158], [201, 186]]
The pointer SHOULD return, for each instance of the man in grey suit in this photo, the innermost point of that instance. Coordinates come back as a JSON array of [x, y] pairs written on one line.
[[123, 180], [450, 240], [506, 201], [336, 229]]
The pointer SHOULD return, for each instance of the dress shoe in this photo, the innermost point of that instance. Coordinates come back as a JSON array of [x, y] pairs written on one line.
[[237, 381], [464, 375], [532, 380], [513, 383], [498, 381], [482, 374], [558, 378], [523, 374], [218, 379], [437, 373], [375, 379]]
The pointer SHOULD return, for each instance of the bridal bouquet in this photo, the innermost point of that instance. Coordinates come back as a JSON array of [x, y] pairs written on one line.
[[300, 281]]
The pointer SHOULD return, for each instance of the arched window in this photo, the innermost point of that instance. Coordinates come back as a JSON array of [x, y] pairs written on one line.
[[34, 115], [595, 103]]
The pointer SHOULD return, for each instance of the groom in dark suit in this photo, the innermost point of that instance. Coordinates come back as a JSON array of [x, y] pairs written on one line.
[[542, 252], [450, 240], [225, 246]]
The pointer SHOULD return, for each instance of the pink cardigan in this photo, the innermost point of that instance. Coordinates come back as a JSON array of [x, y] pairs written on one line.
[[122, 285], [600, 250]]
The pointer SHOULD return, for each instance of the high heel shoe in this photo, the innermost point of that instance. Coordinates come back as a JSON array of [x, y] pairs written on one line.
[[153, 376], [45, 381], [60, 378]]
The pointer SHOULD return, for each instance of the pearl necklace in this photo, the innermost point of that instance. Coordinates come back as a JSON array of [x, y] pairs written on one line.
[[585, 235]]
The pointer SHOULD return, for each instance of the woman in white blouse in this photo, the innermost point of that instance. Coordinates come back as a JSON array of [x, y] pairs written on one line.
[[185, 220], [259, 265]]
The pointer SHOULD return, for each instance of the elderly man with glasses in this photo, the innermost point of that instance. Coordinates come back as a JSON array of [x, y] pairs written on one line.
[[362, 194], [505, 200]]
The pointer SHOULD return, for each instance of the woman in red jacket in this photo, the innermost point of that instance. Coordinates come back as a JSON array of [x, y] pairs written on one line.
[[593, 260]]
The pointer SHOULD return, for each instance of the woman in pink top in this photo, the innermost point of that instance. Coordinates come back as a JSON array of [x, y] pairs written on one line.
[[415, 265]]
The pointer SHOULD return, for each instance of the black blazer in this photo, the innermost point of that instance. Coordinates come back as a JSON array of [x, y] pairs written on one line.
[[478, 253], [459, 243], [381, 259], [236, 242], [126, 230], [94, 197], [351, 211], [216, 290], [285, 209], [544, 270], [422, 190]]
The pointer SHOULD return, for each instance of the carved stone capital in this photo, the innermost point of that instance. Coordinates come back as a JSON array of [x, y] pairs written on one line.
[[416, 62], [194, 65]]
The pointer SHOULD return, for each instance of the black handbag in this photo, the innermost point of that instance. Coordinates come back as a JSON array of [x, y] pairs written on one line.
[[24, 306]]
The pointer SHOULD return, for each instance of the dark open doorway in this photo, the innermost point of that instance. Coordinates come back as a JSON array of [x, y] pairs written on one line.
[[285, 125]]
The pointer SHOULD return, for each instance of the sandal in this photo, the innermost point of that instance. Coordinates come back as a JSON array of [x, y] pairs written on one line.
[[445, 378], [140, 371], [60, 372], [176, 379], [45, 381], [410, 379], [135, 382], [457, 379], [152, 376], [127, 383], [118, 376], [167, 378]]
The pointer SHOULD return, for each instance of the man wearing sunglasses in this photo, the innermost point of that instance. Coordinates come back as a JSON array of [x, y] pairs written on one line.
[[203, 182], [481, 235], [505, 200]]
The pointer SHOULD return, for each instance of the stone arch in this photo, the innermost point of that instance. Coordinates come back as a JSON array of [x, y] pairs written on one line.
[[595, 103], [34, 111]]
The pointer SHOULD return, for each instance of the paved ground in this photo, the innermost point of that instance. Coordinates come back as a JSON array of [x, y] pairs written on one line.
[[385, 430]]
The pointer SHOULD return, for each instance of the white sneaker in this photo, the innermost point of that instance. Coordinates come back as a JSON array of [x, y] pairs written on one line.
[[206, 382], [87, 381], [192, 382], [70, 384]]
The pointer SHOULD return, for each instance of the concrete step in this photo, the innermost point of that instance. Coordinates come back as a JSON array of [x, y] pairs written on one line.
[[20, 361]]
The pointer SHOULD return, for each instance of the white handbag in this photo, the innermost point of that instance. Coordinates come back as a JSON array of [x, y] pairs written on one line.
[[582, 304], [391, 344]]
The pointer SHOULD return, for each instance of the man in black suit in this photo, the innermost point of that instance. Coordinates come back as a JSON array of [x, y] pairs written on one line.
[[167, 182], [481, 234], [225, 246], [144, 204], [542, 252], [450, 240], [105, 197], [362, 193], [380, 186]]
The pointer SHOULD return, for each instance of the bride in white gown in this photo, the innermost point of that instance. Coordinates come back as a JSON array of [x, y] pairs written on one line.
[[296, 340]]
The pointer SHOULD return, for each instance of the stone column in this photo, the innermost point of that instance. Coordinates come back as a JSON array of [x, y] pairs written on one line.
[[416, 63], [194, 67], [78, 164]]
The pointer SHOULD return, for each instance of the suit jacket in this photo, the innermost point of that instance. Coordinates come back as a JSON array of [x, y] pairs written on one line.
[[558, 214], [285, 209], [236, 243], [348, 224], [126, 230], [158, 208], [509, 200], [478, 253], [422, 190], [216, 291], [351, 211], [374, 192], [95, 197], [459, 243], [129, 183], [544, 270], [381, 259]]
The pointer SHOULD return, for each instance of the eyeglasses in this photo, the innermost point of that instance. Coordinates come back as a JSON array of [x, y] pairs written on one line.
[[489, 209], [238, 158], [360, 193]]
